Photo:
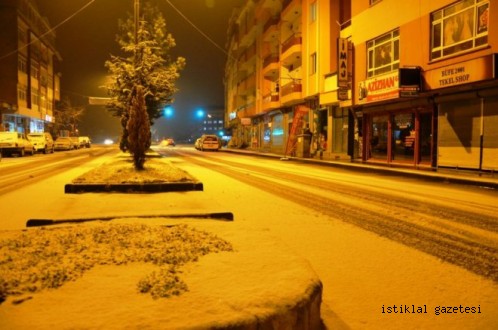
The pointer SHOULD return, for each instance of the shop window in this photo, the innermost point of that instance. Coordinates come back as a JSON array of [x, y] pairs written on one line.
[[379, 137], [383, 54], [339, 130], [458, 28], [403, 130]]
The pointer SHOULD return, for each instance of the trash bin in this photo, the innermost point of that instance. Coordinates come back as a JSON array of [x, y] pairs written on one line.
[[303, 146]]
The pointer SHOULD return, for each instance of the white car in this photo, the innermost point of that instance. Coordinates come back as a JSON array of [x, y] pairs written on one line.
[[42, 142], [209, 142], [84, 141], [64, 143], [15, 143]]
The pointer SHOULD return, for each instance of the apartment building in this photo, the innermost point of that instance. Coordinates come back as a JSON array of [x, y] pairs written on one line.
[[410, 83], [426, 80], [29, 84], [282, 67]]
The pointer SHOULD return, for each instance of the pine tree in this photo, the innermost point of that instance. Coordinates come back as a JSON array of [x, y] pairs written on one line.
[[138, 128], [147, 63]]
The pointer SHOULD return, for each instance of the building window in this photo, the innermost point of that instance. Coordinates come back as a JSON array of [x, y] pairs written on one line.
[[22, 64], [35, 97], [23, 38], [313, 12], [458, 28], [383, 54], [21, 92], [313, 64], [35, 73]]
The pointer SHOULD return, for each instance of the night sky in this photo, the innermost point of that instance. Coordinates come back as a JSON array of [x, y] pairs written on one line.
[[87, 40]]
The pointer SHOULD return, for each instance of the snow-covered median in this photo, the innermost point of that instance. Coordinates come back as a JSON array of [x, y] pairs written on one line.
[[120, 170], [258, 283]]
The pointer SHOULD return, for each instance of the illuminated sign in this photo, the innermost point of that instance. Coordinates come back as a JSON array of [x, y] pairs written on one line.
[[461, 73], [245, 121], [342, 57], [379, 88]]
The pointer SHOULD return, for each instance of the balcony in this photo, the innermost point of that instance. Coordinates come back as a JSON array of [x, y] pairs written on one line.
[[247, 110], [291, 93], [271, 101], [247, 33], [270, 30], [247, 86], [291, 9], [271, 67], [291, 51], [271, 6], [248, 58]]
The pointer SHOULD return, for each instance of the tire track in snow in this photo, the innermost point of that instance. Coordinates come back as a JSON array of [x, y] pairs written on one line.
[[379, 213]]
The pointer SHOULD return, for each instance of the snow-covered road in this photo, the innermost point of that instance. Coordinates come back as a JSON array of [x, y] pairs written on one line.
[[384, 247]]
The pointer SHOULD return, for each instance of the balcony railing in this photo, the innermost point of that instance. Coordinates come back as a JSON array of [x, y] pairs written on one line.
[[292, 87], [271, 22], [270, 59], [271, 97], [295, 39], [286, 3]]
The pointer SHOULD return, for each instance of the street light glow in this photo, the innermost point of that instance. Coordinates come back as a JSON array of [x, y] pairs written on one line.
[[168, 112], [199, 113]]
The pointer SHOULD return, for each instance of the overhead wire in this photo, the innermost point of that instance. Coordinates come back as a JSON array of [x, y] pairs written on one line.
[[50, 30], [196, 28]]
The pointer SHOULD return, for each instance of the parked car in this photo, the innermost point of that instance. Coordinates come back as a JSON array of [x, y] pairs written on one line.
[[64, 143], [84, 142], [42, 142], [76, 142], [167, 142], [197, 144], [209, 142], [15, 143]]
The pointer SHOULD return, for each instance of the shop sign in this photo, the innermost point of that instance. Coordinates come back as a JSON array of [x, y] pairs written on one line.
[[461, 73], [342, 94], [342, 58], [410, 81], [245, 121], [379, 88]]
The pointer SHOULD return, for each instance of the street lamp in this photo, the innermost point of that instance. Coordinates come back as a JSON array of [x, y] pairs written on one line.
[[200, 113], [168, 112]]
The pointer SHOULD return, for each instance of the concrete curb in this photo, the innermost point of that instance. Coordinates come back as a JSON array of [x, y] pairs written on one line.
[[223, 216], [76, 188]]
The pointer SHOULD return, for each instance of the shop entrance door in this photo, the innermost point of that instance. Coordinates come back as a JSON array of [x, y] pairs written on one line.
[[425, 137], [403, 137]]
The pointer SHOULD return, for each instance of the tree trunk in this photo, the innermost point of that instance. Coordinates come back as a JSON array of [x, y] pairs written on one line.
[[138, 128]]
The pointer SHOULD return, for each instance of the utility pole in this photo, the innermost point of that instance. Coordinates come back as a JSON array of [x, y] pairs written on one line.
[[136, 12]]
